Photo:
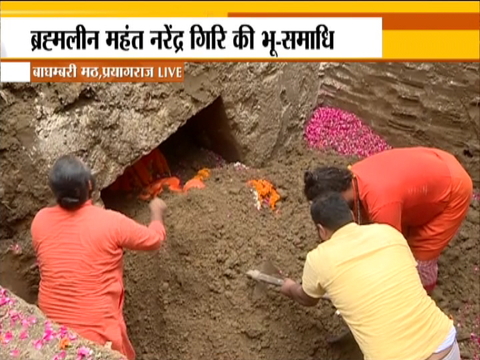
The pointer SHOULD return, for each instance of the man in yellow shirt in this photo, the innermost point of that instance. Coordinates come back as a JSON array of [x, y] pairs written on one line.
[[369, 274]]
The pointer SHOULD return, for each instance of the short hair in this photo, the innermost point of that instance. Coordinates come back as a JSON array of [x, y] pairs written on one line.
[[69, 181], [326, 179], [331, 211]]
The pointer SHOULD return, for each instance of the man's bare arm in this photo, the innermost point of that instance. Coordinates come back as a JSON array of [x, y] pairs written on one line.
[[295, 292]]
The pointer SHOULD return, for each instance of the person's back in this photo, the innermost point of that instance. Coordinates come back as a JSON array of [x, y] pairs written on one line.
[[370, 275], [79, 249], [81, 263], [423, 192], [418, 178]]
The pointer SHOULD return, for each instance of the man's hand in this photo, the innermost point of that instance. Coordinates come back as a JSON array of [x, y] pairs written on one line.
[[287, 286], [157, 208]]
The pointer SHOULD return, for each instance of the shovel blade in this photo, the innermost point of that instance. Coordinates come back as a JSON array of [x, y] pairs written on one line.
[[259, 291], [270, 269], [343, 337], [261, 288]]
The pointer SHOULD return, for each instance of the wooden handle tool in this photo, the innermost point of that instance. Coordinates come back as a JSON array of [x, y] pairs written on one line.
[[259, 276]]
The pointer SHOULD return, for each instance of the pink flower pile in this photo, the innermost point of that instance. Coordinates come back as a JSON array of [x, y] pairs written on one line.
[[342, 132]]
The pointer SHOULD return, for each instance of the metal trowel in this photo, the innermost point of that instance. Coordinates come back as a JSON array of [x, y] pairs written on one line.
[[267, 274]]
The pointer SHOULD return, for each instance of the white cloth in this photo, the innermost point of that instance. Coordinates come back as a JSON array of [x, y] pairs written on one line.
[[452, 336], [454, 354]]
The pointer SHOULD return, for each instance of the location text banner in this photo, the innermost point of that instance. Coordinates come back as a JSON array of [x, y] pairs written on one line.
[[191, 38], [92, 71]]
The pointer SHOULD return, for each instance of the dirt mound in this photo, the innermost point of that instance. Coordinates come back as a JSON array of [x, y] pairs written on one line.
[[192, 300]]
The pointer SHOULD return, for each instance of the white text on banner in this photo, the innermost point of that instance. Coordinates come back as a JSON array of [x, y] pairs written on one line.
[[191, 38]]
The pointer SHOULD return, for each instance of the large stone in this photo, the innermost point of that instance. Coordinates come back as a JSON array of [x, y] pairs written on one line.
[[25, 333]]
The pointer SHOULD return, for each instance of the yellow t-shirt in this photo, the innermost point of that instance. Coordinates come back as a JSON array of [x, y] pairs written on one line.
[[370, 275]]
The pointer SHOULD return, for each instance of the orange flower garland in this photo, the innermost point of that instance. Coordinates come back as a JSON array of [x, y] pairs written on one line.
[[266, 192]]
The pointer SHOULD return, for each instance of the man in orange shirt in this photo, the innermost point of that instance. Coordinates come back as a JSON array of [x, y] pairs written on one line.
[[425, 193], [79, 249]]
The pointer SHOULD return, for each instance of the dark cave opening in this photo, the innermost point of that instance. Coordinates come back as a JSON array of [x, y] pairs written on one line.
[[204, 141]]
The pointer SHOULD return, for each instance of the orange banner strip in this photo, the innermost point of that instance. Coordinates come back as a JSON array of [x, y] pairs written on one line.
[[106, 71], [397, 21]]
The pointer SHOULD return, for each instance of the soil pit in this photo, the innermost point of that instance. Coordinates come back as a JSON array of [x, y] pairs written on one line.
[[204, 141], [192, 300]]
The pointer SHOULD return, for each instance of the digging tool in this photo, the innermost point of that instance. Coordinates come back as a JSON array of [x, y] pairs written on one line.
[[270, 275], [267, 275], [259, 276], [343, 337]]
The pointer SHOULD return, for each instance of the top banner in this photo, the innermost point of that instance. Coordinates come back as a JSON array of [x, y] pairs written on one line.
[[241, 31], [192, 38]]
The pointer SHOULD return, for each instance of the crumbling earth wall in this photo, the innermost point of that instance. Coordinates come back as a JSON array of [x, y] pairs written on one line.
[[428, 104]]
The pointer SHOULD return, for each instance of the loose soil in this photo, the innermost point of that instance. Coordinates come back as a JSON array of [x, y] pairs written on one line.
[[192, 300]]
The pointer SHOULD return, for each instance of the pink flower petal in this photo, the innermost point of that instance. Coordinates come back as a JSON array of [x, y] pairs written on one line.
[[60, 356], [16, 249], [38, 344], [7, 337], [84, 351], [48, 335], [25, 323], [63, 331], [15, 353], [15, 317], [5, 300], [476, 196]]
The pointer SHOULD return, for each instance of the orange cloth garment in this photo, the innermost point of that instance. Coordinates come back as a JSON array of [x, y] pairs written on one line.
[[425, 193], [80, 259]]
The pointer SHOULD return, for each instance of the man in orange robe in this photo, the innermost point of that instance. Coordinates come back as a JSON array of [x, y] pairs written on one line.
[[79, 249], [425, 193]]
